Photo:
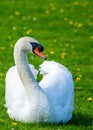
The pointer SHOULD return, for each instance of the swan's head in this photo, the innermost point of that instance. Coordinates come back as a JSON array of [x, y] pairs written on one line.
[[28, 44]]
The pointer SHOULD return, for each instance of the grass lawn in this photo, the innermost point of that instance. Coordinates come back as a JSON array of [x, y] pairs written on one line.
[[65, 28]]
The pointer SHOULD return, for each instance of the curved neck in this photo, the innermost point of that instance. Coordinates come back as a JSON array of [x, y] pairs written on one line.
[[24, 71]]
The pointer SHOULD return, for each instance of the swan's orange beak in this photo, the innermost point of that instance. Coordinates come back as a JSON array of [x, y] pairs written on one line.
[[37, 52]]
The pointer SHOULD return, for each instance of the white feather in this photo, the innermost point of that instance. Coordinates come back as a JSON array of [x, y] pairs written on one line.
[[58, 85]]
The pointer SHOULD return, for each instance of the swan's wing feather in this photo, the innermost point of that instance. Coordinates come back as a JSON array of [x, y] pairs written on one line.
[[58, 86], [57, 82], [14, 90]]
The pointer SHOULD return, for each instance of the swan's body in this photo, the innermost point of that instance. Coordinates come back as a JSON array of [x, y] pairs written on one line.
[[26, 101]]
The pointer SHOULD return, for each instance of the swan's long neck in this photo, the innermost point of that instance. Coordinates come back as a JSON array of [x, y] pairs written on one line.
[[38, 100], [25, 74]]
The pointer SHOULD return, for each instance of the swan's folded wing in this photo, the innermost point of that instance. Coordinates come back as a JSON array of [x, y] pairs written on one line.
[[13, 87], [57, 82]]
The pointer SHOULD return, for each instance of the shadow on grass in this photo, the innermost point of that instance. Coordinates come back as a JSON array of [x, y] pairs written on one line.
[[80, 119]]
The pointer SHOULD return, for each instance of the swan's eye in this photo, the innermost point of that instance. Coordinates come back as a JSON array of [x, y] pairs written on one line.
[[36, 45], [40, 47]]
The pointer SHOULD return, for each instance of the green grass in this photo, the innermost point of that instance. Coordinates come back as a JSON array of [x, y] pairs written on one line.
[[65, 28]]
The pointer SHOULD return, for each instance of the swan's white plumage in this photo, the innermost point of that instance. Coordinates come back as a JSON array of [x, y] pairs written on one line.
[[58, 85], [15, 94], [51, 100]]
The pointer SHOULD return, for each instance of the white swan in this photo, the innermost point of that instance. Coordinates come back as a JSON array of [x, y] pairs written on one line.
[[25, 100]]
